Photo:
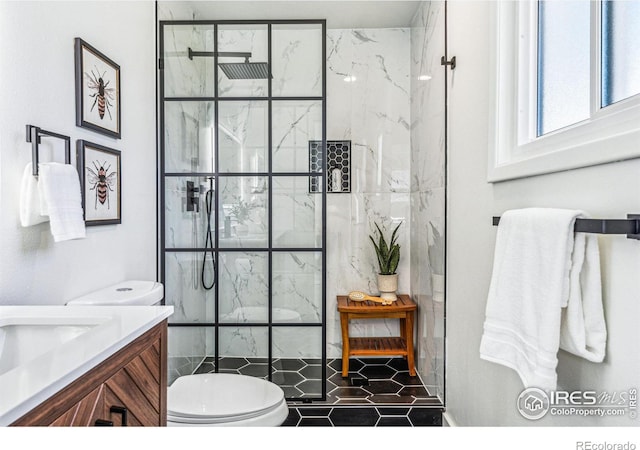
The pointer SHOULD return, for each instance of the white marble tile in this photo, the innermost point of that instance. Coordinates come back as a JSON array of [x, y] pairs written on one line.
[[296, 60], [242, 136], [183, 289], [297, 342], [243, 287], [368, 103], [189, 136], [297, 287], [248, 342], [184, 77]]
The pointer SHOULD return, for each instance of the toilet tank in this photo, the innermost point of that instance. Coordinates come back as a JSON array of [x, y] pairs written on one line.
[[133, 292]]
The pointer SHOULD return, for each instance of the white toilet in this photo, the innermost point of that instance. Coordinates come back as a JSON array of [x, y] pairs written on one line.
[[212, 399]]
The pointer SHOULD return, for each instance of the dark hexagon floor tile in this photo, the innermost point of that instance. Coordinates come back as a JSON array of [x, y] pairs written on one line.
[[415, 391], [377, 372], [393, 422], [232, 363], [383, 387], [291, 392], [390, 398], [205, 367], [313, 361], [354, 365], [339, 381], [316, 412], [311, 387], [292, 419], [288, 364], [393, 411], [335, 364], [374, 361], [354, 417], [255, 370], [312, 372], [258, 360], [288, 378], [406, 379], [353, 401], [350, 392], [399, 364], [315, 422], [424, 417]]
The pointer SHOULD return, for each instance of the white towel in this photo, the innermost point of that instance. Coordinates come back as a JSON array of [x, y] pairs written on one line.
[[60, 191], [30, 199], [545, 290]]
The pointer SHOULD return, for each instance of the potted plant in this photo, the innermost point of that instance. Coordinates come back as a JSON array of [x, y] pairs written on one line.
[[388, 253]]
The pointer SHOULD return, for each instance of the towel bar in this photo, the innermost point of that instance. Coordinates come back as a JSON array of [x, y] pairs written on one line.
[[629, 226], [33, 136]]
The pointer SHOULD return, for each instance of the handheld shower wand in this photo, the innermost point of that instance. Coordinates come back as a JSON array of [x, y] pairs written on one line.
[[208, 245]]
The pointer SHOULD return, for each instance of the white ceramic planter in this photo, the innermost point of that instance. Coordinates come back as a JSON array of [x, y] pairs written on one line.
[[388, 286]]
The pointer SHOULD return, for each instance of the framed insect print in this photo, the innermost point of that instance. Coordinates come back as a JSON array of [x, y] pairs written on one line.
[[100, 182], [97, 90]]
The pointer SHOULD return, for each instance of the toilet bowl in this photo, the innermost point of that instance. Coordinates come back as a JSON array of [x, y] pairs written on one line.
[[224, 399], [212, 399]]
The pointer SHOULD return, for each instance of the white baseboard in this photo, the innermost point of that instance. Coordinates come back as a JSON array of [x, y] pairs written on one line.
[[448, 421]]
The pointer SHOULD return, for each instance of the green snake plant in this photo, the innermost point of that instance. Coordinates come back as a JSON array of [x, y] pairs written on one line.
[[388, 253]]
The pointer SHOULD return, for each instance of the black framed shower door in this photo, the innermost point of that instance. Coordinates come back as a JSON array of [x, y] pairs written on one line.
[[242, 239]]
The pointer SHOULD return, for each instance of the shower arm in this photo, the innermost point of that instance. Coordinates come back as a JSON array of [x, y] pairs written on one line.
[[245, 55]]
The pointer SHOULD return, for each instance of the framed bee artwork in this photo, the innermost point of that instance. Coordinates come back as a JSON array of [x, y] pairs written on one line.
[[97, 90], [100, 183]]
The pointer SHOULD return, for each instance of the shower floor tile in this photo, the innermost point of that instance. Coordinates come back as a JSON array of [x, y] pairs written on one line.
[[377, 392]]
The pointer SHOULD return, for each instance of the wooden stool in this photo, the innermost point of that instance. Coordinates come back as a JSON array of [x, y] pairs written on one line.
[[404, 309]]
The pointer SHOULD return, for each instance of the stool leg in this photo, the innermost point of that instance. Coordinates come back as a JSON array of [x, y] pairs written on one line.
[[409, 341], [344, 324]]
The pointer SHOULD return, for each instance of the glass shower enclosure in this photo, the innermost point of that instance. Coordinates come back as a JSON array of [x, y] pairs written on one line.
[[242, 234]]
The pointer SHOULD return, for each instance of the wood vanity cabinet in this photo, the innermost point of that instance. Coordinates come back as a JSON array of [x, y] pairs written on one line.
[[128, 388]]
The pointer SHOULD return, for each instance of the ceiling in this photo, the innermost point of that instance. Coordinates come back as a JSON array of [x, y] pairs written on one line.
[[339, 14]]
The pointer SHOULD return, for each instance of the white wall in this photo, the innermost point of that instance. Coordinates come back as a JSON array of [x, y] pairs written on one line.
[[37, 87], [483, 393]]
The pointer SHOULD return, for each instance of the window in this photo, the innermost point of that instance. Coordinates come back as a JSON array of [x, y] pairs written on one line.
[[567, 86]]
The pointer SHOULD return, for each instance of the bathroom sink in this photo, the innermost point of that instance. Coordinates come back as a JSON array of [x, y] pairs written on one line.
[[23, 339], [45, 348]]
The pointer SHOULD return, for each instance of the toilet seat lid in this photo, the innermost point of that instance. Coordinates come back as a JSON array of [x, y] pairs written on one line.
[[220, 397]]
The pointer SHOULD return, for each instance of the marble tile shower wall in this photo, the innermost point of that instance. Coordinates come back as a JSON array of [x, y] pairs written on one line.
[[397, 174], [373, 111], [428, 189]]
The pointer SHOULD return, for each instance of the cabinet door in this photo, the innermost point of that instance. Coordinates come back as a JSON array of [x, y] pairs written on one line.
[[85, 412], [134, 378], [137, 387]]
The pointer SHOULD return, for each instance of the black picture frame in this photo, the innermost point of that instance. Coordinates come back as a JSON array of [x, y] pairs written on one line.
[[97, 78], [100, 173]]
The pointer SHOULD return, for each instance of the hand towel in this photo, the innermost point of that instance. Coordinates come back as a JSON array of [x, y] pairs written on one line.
[[30, 199], [60, 190], [544, 276]]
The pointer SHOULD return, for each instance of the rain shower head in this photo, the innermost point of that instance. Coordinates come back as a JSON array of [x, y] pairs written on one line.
[[237, 71], [245, 70]]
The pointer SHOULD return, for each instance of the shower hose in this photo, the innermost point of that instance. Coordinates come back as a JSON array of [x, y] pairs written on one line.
[[208, 245]]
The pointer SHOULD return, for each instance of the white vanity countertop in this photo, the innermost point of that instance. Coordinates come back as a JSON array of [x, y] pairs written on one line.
[[29, 384]]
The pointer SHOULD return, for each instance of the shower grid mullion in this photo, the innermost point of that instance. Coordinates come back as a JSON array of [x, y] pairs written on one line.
[[270, 206], [216, 169], [217, 175]]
